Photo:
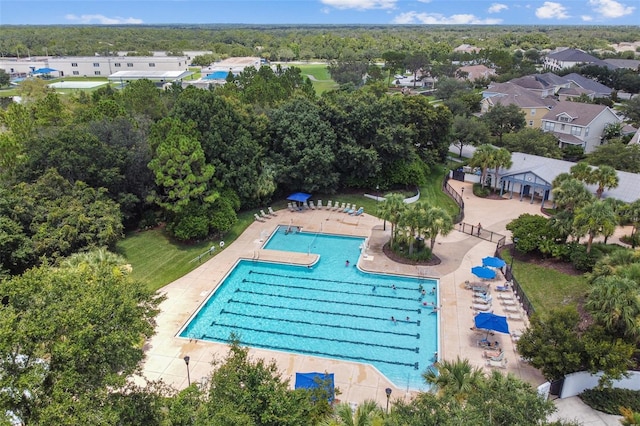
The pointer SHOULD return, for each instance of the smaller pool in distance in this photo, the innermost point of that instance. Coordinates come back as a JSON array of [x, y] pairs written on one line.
[[330, 310]]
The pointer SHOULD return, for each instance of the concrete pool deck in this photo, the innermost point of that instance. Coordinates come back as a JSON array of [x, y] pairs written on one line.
[[458, 251]]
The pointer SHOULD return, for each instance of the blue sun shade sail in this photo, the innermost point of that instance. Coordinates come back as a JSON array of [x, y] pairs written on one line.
[[483, 272], [315, 380], [44, 71], [300, 197], [493, 262], [492, 322]]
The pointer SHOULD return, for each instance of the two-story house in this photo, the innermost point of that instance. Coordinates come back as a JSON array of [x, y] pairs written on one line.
[[532, 105], [567, 58], [575, 123]]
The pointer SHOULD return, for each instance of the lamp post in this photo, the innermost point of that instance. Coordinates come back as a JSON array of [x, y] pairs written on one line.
[[388, 392], [186, 361]]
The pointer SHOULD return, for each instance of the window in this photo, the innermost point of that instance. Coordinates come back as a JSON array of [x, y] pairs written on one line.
[[549, 126], [96, 64], [151, 64], [562, 127], [531, 123], [563, 118], [575, 130], [96, 72], [76, 73], [179, 64], [129, 64], [533, 111], [74, 64], [586, 131], [117, 64]]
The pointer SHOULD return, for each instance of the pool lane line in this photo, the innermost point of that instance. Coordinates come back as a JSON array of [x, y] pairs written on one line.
[[415, 365], [314, 311], [396, 309], [415, 299], [302, 277], [320, 324], [327, 339]]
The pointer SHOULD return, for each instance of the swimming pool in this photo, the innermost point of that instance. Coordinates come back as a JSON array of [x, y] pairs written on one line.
[[329, 310]]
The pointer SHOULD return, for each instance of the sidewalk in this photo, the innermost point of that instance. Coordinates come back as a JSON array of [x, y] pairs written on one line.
[[458, 253]]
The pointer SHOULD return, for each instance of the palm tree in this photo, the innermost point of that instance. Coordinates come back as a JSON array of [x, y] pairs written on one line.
[[570, 195], [501, 158], [367, 414], [614, 303], [583, 172], [457, 379], [391, 209], [483, 158], [438, 222], [606, 177], [595, 219], [413, 219]]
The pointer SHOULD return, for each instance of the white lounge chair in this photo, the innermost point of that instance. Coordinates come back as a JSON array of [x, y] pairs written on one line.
[[271, 212], [258, 218], [352, 210], [504, 296], [312, 206], [505, 287], [515, 317], [482, 301], [359, 211], [499, 356], [497, 364], [347, 208], [342, 206], [264, 215], [509, 303], [329, 206], [511, 309], [481, 307]]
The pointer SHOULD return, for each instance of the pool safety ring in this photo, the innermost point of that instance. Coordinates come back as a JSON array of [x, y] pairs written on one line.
[[221, 244]]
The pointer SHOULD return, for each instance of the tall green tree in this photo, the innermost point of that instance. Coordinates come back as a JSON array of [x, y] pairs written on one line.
[[532, 141], [458, 379], [504, 119], [468, 131], [483, 157], [501, 158], [605, 177], [438, 222], [614, 302], [597, 218], [392, 209], [67, 335]]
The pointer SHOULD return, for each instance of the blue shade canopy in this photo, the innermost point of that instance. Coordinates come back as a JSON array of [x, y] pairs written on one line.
[[315, 380], [299, 196], [483, 272], [494, 262], [44, 71], [492, 322]]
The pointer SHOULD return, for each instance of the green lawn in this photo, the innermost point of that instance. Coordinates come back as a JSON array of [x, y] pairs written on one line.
[[157, 260], [321, 80], [548, 288]]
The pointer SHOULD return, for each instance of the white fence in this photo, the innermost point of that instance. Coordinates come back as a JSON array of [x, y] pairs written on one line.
[[576, 383], [409, 200]]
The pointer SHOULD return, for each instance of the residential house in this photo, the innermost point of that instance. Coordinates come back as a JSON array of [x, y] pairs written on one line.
[[596, 90], [576, 123], [631, 64], [548, 84], [475, 72], [567, 58], [467, 48], [532, 105]]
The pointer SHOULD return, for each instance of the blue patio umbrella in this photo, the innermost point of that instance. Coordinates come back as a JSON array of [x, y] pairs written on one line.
[[493, 262], [483, 272], [300, 197], [492, 322], [44, 71]]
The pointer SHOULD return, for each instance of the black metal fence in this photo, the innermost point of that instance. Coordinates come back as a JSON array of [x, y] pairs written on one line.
[[448, 189], [480, 232], [517, 289]]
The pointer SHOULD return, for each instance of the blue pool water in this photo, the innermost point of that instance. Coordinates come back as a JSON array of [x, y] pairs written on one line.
[[328, 310]]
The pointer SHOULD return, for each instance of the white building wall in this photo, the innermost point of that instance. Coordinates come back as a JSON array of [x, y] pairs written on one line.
[[576, 383], [93, 66]]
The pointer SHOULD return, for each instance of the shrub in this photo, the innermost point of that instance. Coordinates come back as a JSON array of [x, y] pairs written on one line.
[[582, 260], [479, 191], [609, 400]]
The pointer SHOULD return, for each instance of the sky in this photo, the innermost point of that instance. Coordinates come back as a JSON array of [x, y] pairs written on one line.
[[436, 12]]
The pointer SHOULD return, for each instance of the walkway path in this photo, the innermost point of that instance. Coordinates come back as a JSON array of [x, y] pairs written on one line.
[[458, 251]]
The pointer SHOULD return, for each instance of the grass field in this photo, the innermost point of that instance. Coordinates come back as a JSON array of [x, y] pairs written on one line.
[[157, 260], [321, 80], [548, 288]]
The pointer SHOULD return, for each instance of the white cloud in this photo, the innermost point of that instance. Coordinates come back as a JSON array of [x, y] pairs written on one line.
[[611, 8], [497, 8], [101, 19], [586, 18], [552, 10], [437, 18], [361, 4], [424, 1]]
